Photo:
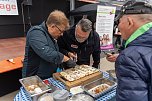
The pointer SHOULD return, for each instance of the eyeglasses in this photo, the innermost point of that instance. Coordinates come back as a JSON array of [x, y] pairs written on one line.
[[59, 29]]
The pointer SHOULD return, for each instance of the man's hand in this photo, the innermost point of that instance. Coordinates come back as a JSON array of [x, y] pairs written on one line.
[[72, 56], [111, 57], [65, 58]]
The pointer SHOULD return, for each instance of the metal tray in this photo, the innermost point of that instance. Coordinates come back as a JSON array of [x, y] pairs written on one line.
[[96, 83], [34, 80]]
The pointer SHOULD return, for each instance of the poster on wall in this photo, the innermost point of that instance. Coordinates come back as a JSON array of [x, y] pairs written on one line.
[[8, 7], [104, 26]]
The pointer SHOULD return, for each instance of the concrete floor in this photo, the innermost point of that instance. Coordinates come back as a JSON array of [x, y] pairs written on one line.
[[9, 97], [104, 66]]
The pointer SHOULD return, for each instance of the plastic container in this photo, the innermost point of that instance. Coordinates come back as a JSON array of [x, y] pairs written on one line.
[[60, 95], [81, 97], [46, 97], [76, 90]]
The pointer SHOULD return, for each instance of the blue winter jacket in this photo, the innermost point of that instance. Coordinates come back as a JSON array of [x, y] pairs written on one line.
[[42, 56], [134, 68]]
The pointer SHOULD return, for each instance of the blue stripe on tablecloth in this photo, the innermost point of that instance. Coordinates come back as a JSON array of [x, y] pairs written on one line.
[[57, 83], [16, 98], [25, 95], [22, 96], [105, 74]]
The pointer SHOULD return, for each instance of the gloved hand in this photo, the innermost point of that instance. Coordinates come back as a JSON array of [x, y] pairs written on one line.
[[70, 63], [73, 56]]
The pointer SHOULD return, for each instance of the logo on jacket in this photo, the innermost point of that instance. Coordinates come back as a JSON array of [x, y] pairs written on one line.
[[74, 46]]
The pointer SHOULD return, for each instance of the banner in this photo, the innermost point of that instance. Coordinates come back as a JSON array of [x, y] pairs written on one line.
[[8, 7], [104, 26]]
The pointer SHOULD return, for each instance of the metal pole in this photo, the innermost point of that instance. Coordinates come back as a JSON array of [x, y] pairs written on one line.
[[72, 7]]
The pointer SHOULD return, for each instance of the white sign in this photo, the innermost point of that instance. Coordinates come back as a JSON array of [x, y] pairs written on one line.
[[104, 26], [8, 7]]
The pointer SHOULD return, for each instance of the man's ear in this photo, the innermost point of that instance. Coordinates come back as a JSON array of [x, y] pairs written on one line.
[[52, 25], [130, 22]]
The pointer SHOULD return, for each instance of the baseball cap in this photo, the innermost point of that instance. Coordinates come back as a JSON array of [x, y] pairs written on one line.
[[135, 7]]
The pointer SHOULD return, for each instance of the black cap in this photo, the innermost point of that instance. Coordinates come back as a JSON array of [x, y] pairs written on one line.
[[135, 7]]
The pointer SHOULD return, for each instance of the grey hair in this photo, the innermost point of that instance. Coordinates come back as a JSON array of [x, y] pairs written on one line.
[[143, 17], [146, 17], [85, 24]]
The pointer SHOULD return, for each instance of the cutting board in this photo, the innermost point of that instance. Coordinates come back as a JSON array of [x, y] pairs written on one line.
[[81, 81]]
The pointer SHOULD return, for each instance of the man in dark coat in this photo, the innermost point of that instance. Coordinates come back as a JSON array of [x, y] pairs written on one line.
[[80, 42], [134, 63], [42, 56]]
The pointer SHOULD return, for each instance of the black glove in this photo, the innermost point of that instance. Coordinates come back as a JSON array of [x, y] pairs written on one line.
[[70, 63]]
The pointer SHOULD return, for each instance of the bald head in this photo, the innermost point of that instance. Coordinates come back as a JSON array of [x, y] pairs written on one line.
[[128, 24]]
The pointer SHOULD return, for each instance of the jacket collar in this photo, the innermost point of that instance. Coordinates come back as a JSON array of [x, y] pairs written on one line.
[[139, 32], [44, 26], [144, 40]]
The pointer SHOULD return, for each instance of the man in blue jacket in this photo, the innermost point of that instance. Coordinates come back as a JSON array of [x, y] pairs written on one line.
[[80, 42], [42, 56], [134, 64]]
